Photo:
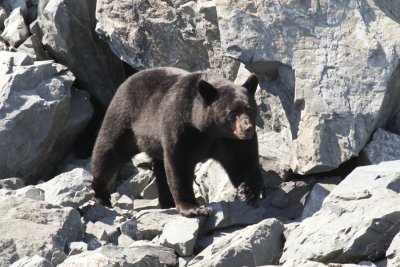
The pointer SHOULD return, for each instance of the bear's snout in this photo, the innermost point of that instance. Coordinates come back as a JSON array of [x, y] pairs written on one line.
[[243, 129]]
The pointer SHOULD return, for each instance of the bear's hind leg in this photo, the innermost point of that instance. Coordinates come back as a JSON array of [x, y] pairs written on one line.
[[164, 194]]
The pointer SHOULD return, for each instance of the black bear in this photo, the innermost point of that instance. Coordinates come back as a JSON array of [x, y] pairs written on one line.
[[179, 119]]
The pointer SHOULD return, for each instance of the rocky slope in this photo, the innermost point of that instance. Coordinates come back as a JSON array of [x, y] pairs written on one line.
[[328, 100]]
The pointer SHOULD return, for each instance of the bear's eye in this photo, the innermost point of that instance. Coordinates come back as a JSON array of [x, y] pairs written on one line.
[[232, 115]]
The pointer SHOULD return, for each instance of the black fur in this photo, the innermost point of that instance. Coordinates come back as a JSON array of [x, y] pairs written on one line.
[[180, 119]]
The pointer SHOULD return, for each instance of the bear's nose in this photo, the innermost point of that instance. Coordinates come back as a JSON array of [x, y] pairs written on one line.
[[248, 129]]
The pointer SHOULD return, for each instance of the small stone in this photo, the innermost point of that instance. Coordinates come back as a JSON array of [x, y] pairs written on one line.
[[135, 184], [15, 31], [12, 183], [103, 232], [183, 243], [125, 203], [77, 247]]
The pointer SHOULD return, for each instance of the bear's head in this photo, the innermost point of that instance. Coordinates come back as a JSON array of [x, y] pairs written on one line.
[[230, 109]]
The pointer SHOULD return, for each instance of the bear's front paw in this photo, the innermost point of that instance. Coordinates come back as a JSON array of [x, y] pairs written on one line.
[[248, 194], [191, 210]]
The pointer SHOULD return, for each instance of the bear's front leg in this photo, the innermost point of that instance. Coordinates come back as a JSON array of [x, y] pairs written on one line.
[[249, 191], [180, 176]]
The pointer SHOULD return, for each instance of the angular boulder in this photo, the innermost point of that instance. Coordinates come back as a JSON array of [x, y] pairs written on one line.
[[150, 223], [180, 235], [148, 34], [320, 60], [30, 227], [351, 225], [256, 245], [34, 106], [70, 189], [66, 30]]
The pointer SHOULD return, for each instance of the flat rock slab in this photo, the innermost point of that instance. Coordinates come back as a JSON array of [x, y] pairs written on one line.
[[351, 226], [29, 227], [255, 245]]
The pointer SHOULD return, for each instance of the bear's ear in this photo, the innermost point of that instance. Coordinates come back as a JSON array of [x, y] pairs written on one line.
[[207, 91], [251, 84]]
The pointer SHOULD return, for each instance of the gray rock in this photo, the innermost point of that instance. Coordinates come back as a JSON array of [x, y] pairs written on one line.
[[93, 211], [34, 261], [256, 245], [183, 34], [12, 183], [125, 241], [393, 252], [31, 192], [58, 257], [129, 229], [225, 214], [77, 247], [33, 47], [71, 189], [214, 183], [304, 263], [150, 191], [339, 96], [15, 31], [287, 201], [124, 203], [33, 114], [204, 241], [315, 199], [351, 225], [384, 146], [103, 232], [29, 227], [145, 204], [66, 29], [141, 254], [183, 243], [135, 184], [150, 223]]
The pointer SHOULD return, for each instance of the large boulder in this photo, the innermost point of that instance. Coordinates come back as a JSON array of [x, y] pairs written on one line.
[[66, 29], [351, 225], [34, 106], [148, 34], [256, 245], [323, 66], [30, 227]]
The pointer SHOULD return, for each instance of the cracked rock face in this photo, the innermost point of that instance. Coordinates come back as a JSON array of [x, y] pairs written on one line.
[[343, 57]]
